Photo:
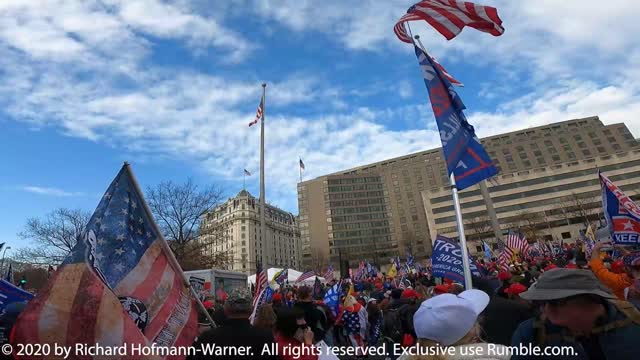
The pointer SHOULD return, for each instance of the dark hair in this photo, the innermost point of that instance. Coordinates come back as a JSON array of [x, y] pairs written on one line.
[[304, 293], [396, 294], [373, 312], [286, 322]]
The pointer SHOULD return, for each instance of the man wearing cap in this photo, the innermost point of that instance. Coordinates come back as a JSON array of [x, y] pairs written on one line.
[[577, 311], [236, 331], [616, 282], [449, 323]]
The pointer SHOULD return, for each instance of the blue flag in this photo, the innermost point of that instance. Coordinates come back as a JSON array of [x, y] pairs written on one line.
[[622, 213], [487, 250], [332, 298], [10, 294], [446, 260], [464, 155]]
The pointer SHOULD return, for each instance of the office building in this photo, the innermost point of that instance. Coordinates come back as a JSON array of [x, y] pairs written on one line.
[[234, 228], [390, 207]]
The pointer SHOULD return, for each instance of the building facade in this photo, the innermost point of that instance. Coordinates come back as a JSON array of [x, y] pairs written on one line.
[[234, 228], [416, 198]]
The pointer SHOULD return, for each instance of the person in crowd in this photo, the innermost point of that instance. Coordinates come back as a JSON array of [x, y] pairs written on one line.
[[579, 312], [351, 321], [513, 292], [276, 302], [451, 321], [235, 331], [394, 321], [374, 323], [504, 278], [292, 331], [616, 282], [313, 314], [265, 318]]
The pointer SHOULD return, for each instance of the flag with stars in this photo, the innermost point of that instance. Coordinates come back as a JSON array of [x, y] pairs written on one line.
[[621, 212], [117, 286]]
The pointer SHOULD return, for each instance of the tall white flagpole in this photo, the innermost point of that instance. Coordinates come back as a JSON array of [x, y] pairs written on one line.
[[263, 225]]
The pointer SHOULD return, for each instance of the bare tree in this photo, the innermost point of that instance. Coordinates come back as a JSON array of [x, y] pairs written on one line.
[[179, 210], [584, 207], [319, 260], [480, 227], [53, 236], [530, 224]]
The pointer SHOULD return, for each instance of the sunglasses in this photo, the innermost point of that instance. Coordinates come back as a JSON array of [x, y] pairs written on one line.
[[303, 326]]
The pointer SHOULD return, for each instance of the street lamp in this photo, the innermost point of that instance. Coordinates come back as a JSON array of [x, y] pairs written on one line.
[[2, 263]]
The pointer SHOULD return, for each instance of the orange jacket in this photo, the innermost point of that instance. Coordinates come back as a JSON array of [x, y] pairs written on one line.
[[616, 282]]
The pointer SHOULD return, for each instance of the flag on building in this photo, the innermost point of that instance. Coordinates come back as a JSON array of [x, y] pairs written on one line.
[[449, 17], [622, 213], [118, 286], [306, 275], [258, 112], [246, 172], [328, 276], [464, 155], [301, 165]]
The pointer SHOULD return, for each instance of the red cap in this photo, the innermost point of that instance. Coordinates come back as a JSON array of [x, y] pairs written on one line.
[[409, 293], [503, 275], [448, 281], [571, 266], [617, 266], [441, 289], [515, 289], [276, 297], [208, 304], [549, 267]]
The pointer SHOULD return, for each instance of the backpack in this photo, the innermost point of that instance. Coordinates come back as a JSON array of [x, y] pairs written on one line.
[[392, 325], [319, 330]]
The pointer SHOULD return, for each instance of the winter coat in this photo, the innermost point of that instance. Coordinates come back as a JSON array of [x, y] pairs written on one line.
[[616, 282]]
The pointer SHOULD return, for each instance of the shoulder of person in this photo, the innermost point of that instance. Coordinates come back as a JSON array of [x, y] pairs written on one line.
[[525, 332]]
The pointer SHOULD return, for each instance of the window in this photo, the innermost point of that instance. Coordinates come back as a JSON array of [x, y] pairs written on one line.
[[566, 235], [601, 149], [479, 248], [582, 145], [526, 163], [562, 140], [586, 152], [556, 157], [414, 217]]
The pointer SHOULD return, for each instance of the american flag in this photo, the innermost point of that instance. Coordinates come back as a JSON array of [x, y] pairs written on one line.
[[261, 282], [307, 275], [117, 286], [246, 172], [517, 242], [302, 165], [328, 276], [449, 17], [505, 255], [258, 112]]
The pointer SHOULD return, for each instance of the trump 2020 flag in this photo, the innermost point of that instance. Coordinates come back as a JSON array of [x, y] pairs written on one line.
[[464, 155], [117, 287], [622, 213], [446, 260], [10, 294]]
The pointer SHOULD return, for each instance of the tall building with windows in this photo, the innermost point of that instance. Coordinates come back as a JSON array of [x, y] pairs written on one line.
[[234, 228], [547, 170]]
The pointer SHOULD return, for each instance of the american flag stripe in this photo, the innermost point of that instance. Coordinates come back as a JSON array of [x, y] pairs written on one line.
[[305, 276], [150, 264], [160, 318], [449, 17], [258, 113], [87, 300]]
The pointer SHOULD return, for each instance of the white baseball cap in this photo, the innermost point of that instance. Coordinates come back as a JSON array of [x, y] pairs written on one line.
[[447, 318]]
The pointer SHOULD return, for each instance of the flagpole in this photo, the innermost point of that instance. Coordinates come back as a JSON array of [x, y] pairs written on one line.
[[300, 168], [263, 228], [244, 180], [463, 240], [165, 246]]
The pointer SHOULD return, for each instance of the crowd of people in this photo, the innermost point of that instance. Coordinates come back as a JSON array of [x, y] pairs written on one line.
[[588, 306]]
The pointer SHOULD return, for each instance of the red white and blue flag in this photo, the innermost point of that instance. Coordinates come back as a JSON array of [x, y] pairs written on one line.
[[622, 213], [449, 17], [258, 112], [116, 287], [328, 276], [306, 275]]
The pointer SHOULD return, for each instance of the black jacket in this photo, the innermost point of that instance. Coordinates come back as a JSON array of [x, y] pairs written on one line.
[[315, 318], [501, 319], [234, 333]]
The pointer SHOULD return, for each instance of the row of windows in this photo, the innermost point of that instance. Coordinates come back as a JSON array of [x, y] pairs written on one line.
[[363, 209], [382, 241], [359, 180], [541, 180], [353, 195], [360, 217], [361, 225], [356, 202], [576, 185], [356, 233], [355, 187]]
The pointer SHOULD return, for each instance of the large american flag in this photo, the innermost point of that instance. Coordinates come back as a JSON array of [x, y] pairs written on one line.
[[517, 242], [258, 112], [449, 17], [117, 286], [505, 255], [261, 282], [306, 275]]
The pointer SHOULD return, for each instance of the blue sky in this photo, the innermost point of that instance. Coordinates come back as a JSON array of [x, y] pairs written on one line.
[[170, 87]]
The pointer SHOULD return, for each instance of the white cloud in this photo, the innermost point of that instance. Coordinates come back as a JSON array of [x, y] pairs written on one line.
[[50, 191]]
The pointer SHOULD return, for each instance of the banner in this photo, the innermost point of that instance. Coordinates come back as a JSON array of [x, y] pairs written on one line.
[[447, 260], [10, 294], [623, 215], [198, 285]]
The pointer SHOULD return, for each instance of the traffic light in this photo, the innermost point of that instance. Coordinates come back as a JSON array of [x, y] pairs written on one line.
[[23, 282]]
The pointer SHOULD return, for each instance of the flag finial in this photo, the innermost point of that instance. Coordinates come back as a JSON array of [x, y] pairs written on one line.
[[264, 85]]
